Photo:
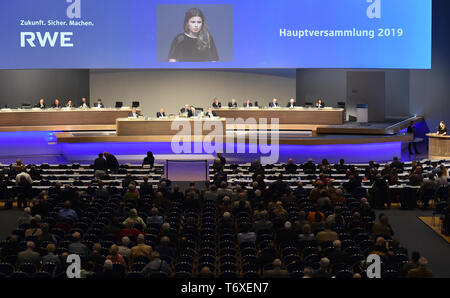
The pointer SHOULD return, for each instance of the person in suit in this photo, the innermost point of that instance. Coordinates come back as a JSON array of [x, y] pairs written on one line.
[[210, 113], [100, 163], [29, 255], [99, 104], [161, 113], [69, 104], [186, 109], [274, 103], [411, 131], [41, 104], [134, 113], [111, 162], [56, 104], [291, 103], [442, 130], [149, 159], [320, 103], [191, 112], [84, 103], [216, 104], [276, 272], [248, 104], [232, 103]]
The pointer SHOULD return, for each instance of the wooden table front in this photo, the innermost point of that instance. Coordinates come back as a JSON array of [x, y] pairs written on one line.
[[61, 117], [439, 145], [286, 115], [169, 126]]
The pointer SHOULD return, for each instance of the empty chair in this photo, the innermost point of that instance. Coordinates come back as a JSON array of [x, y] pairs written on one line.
[[344, 274], [6, 269], [42, 275], [28, 268]]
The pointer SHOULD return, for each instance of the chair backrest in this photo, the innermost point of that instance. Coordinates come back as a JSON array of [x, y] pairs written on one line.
[[119, 104], [135, 104]]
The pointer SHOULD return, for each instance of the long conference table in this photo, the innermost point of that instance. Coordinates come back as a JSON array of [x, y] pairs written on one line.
[[40, 119], [170, 126], [297, 115]]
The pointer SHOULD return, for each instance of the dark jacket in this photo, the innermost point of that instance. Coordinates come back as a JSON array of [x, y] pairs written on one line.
[[100, 164]]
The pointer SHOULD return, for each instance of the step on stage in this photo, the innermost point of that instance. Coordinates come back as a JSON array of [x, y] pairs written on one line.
[[289, 134], [381, 141]]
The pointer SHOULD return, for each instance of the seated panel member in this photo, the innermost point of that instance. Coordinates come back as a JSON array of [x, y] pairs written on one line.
[[191, 112], [232, 103], [56, 104], [186, 109], [216, 104], [84, 103], [69, 104], [99, 104], [134, 113], [274, 103], [442, 130], [161, 113], [320, 103], [291, 103], [247, 104], [41, 104], [210, 113]]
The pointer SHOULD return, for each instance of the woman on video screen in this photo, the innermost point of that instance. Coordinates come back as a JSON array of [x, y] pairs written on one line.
[[196, 43]]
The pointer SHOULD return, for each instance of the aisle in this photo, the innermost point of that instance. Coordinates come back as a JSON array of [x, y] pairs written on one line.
[[415, 235]]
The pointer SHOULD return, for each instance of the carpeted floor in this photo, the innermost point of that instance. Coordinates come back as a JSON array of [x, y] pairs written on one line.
[[412, 232], [434, 223], [416, 235]]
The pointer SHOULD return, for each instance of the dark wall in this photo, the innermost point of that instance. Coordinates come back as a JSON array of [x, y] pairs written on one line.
[[430, 89], [22, 86]]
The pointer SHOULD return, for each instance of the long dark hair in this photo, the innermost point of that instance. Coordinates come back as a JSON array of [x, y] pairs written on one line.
[[203, 40]]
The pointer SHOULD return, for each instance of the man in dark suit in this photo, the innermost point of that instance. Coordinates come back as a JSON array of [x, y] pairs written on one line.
[[248, 104], [186, 109], [134, 113], [149, 159], [277, 271], [232, 103], [56, 104], [111, 162], [291, 103], [274, 103], [290, 167], [210, 113], [191, 112], [100, 163], [412, 131], [99, 104], [29, 255], [161, 113], [41, 104], [216, 104]]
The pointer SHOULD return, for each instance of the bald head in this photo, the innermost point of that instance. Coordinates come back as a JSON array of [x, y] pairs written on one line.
[[140, 239], [76, 236], [276, 263]]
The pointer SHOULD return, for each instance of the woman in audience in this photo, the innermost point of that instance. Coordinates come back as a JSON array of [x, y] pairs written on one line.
[[325, 167]]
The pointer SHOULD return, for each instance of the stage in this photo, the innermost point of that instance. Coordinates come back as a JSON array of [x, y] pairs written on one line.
[[238, 144]]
